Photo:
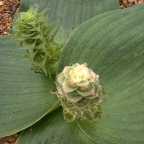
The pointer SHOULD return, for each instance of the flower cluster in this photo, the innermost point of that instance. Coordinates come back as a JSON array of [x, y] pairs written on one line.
[[79, 92], [33, 32]]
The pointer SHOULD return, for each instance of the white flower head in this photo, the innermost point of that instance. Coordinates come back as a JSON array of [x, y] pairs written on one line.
[[79, 90]]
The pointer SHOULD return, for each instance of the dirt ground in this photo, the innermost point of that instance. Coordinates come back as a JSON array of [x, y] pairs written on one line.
[[129, 3], [8, 140], [7, 11]]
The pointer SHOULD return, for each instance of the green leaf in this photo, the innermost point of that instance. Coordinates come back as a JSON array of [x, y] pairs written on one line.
[[54, 130], [25, 97], [113, 45], [71, 13]]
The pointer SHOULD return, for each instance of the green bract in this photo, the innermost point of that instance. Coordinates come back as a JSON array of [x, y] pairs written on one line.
[[80, 92], [33, 32]]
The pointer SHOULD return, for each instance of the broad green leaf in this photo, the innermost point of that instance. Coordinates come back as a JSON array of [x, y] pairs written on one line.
[[70, 13], [54, 130], [25, 97], [113, 45]]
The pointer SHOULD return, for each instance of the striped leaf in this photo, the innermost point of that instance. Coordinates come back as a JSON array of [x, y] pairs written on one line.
[[112, 44], [25, 97], [71, 13]]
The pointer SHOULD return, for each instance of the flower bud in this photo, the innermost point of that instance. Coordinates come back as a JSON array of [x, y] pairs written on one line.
[[79, 92], [34, 32]]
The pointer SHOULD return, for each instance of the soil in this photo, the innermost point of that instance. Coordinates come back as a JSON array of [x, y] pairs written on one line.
[[7, 10], [9, 140], [129, 3]]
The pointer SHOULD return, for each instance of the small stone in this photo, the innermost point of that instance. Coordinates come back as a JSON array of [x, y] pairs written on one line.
[[8, 140], [1, 3], [7, 10], [129, 3], [6, 143]]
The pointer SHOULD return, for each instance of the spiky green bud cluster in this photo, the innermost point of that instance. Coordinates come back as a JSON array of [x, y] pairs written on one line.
[[79, 92], [33, 32]]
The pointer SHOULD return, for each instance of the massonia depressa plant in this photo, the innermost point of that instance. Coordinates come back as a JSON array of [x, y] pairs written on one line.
[[87, 90]]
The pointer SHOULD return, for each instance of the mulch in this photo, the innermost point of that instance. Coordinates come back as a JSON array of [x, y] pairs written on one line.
[[7, 10], [9, 140], [129, 3]]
